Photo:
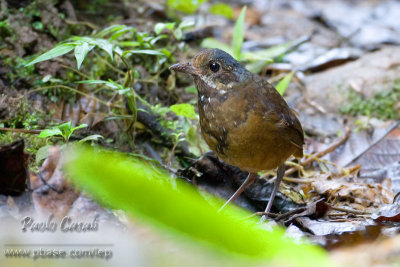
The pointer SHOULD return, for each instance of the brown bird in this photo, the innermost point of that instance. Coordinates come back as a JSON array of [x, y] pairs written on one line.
[[243, 119]]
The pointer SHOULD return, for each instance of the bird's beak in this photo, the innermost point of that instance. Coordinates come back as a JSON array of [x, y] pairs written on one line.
[[185, 68]]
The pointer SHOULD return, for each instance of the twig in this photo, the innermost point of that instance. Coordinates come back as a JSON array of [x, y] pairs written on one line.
[[297, 180], [172, 151], [391, 128], [45, 183], [359, 212], [329, 149], [292, 212], [337, 214], [20, 130]]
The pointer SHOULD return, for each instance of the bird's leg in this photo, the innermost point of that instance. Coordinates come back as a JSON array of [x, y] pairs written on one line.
[[279, 177], [249, 181]]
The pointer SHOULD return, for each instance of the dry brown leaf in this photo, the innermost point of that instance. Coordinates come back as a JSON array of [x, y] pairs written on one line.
[[354, 190]]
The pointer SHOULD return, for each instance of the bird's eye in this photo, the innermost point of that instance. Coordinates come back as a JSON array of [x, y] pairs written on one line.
[[214, 66]]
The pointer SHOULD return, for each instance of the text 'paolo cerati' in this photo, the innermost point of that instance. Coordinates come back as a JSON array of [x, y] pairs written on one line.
[[67, 224]]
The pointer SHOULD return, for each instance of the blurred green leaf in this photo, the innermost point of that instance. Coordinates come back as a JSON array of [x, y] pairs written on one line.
[[145, 191], [56, 51], [221, 9], [213, 43], [185, 24], [178, 34], [114, 30], [259, 59], [161, 26], [238, 35], [186, 6], [129, 43], [269, 53], [147, 52], [284, 83], [42, 153], [80, 53], [93, 137], [191, 89], [185, 110]]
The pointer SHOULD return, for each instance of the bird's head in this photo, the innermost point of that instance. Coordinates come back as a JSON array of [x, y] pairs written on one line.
[[214, 70]]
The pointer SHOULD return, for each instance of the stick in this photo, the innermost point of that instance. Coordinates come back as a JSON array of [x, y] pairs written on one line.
[[391, 128], [321, 153], [20, 130]]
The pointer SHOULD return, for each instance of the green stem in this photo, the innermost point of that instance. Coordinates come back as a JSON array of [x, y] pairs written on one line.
[[76, 91], [75, 70], [110, 65]]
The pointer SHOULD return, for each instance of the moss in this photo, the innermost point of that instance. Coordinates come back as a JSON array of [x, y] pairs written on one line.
[[383, 105]]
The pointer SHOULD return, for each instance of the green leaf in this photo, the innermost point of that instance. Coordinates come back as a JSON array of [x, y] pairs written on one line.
[[191, 89], [117, 34], [263, 57], [185, 110], [221, 9], [178, 33], [56, 51], [185, 24], [93, 137], [112, 29], [284, 83], [42, 153], [147, 52], [186, 6], [105, 45], [159, 27], [81, 51], [66, 129], [171, 205], [50, 132], [129, 43], [83, 125], [213, 43], [269, 53], [237, 38], [155, 40]]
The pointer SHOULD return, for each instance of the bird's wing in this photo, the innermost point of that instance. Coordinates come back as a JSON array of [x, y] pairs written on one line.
[[274, 103]]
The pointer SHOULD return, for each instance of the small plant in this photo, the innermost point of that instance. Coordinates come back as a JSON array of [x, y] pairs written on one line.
[[64, 131], [122, 44], [82, 45]]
